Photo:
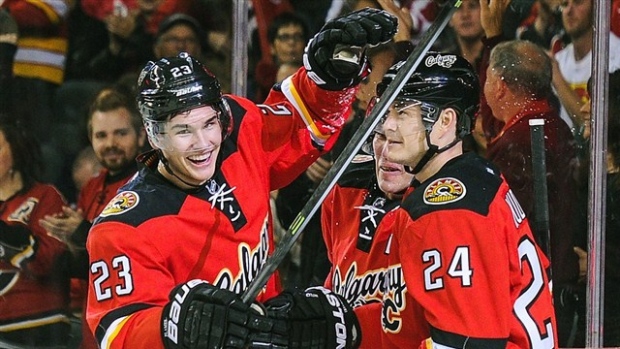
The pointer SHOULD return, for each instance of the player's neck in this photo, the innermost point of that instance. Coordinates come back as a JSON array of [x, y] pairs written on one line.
[[438, 161]]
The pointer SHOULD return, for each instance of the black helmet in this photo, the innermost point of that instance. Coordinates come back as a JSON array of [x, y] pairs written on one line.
[[440, 81], [176, 84]]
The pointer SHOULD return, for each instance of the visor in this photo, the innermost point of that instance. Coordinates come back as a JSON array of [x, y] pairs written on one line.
[[185, 133]]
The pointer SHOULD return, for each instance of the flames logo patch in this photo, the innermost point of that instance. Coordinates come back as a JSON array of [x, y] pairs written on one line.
[[121, 203], [444, 191]]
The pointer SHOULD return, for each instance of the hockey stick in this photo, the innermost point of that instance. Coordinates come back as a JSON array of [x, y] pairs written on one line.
[[540, 221], [355, 143]]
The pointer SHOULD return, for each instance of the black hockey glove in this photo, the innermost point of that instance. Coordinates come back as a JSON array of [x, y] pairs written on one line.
[[312, 319], [335, 57], [17, 245], [200, 315]]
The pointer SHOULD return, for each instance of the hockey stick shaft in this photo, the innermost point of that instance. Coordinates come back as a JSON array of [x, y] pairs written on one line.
[[540, 223], [355, 143]]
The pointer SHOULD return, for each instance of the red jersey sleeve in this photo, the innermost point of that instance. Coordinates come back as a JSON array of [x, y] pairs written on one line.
[[300, 122]]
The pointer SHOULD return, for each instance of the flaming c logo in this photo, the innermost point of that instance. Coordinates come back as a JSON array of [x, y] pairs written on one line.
[[444, 191], [122, 202]]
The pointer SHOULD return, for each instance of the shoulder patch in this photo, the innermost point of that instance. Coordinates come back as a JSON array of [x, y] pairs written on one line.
[[121, 203], [444, 191]]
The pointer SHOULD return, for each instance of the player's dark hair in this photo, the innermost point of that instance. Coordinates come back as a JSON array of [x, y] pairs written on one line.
[[25, 150]]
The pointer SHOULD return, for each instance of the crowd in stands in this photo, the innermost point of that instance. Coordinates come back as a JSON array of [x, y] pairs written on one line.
[[68, 72]]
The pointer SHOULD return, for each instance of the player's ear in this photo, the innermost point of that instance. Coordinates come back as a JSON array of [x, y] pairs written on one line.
[[448, 119]]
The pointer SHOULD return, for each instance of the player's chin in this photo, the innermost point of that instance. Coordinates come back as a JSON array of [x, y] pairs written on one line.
[[201, 174]]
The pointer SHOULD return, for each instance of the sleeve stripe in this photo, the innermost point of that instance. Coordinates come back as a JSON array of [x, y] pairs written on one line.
[[24, 255], [291, 93], [112, 331]]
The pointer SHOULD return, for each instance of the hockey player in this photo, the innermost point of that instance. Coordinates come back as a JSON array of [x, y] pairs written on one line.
[[357, 220], [463, 242], [171, 253]]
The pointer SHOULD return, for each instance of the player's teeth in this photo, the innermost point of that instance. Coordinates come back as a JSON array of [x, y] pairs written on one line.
[[198, 158]]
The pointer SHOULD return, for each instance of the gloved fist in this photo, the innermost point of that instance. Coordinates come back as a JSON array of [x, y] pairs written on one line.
[[312, 319], [200, 315], [335, 57]]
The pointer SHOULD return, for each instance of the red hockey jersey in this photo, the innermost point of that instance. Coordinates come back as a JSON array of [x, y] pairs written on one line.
[[357, 221], [100, 190], [153, 236], [470, 261], [37, 293]]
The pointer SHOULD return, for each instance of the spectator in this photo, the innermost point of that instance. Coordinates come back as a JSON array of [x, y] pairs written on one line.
[[574, 62], [179, 33], [116, 134], [288, 34], [467, 31], [194, 195], [85, 167], [130, 42], [611, 320], [518, 87], [544, 25], [460, 240], [33, 265], [183, 33]]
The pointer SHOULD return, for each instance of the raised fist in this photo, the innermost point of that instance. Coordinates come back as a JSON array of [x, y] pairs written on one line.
[[335, 58]]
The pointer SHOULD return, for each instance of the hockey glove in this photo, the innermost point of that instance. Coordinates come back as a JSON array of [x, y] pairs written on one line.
[[17, 245], [335, 57], [200, 315], [312, 319]]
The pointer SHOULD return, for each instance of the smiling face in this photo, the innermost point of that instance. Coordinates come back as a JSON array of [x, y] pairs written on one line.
[[190, 142], [114, 139]]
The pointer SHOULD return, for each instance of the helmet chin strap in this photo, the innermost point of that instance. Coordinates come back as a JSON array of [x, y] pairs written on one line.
[[432, 151], [165, 162]]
